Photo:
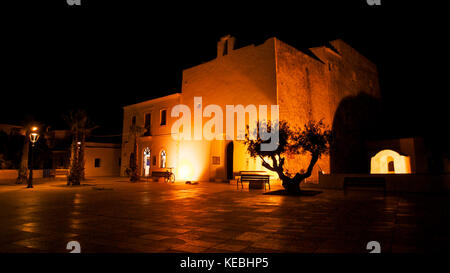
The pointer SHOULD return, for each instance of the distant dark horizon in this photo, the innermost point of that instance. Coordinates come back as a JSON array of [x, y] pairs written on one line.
[[102, 57]]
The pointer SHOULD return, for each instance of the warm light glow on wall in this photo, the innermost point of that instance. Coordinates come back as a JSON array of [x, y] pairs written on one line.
[[389, 161], [192, 163], [185, 171]]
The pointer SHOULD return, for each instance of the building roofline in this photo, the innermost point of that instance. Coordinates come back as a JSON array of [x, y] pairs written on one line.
[[155, 100], [91, 144], [307, 52], [10, 125], [252, 45]]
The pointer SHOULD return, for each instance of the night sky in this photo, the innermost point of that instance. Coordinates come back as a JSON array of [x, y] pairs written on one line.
[[108, 54]]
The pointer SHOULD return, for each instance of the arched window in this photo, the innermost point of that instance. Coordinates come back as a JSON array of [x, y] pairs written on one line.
[[162, 160], [146, 161]]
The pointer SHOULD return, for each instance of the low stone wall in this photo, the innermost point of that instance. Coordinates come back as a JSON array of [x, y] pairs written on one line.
[[8, 174], [12, 174], [38, 173], [394, 182]]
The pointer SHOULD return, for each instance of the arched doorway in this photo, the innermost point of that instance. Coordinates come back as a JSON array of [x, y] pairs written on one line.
[[146, 161], [391, 166], [229, 158]]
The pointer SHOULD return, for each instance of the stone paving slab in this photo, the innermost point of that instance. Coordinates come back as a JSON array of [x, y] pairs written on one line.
[[114, 215]]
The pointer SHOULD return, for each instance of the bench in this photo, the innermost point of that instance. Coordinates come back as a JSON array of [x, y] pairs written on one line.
[[50, 173], [167, 175], [365, 182], [253, 176], [61, 172]]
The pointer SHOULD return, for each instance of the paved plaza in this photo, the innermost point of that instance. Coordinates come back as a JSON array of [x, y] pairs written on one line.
[[114, 215]]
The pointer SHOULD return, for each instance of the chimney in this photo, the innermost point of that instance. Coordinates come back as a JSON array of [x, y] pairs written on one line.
[[225, 45]]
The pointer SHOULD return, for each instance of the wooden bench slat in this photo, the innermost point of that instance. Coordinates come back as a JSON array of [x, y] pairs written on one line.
[[166, 174], [160, 174], [251, 176]]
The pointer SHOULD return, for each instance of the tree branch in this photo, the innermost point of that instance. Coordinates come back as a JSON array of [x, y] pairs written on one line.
[[312, 162], [267, 165], [275, 161], [314, 158], [281, 160]]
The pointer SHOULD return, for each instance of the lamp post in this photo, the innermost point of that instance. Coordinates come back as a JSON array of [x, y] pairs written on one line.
[[34, 136]]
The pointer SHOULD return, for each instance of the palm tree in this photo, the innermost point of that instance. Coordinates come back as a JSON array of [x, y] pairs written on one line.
[[80, 127], [23, 168], [135, 132]]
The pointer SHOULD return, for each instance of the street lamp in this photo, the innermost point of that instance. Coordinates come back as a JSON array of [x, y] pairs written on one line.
[[34, 136]]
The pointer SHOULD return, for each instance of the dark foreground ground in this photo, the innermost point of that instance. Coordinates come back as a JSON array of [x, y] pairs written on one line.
[[113, 215]]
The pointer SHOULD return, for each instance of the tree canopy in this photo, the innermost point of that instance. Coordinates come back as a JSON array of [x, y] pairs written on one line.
[[313, 139]]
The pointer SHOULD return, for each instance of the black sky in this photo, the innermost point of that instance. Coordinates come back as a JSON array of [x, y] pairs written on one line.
[[107, 54]]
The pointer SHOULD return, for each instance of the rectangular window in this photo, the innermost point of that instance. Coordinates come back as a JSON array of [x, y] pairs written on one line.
[[216, 160], [154, 160], [97, 163], [133, 120], [163, 117], [148, 124]]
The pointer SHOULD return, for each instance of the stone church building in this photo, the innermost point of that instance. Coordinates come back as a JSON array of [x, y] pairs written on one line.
[[305, 84]]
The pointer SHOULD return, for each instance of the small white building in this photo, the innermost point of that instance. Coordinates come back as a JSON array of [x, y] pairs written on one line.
[[102, 159]]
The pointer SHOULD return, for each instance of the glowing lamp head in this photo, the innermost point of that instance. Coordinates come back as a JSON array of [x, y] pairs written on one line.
[[34, 129], [34, 137]]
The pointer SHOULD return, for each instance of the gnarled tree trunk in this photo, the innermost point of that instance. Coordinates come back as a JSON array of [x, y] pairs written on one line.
[[290, 184]]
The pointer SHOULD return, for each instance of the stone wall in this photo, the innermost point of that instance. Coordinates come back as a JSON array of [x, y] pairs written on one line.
[[313, 86], [10, 174], [394, 182]]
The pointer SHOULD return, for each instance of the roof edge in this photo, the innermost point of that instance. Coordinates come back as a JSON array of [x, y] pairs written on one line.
[[155, 100]]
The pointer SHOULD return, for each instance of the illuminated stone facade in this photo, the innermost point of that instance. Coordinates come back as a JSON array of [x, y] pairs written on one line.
[[306, 86]]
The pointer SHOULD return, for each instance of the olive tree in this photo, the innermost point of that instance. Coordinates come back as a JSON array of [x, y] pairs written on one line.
[[313, 140]]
